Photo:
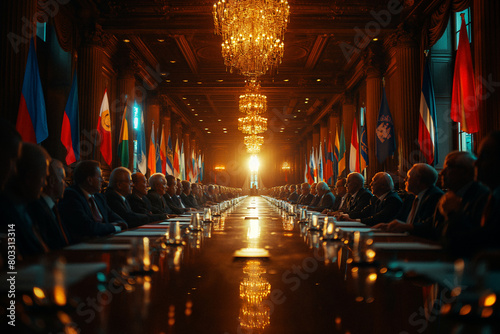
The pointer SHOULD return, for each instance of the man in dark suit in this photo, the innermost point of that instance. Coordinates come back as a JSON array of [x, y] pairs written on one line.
[[294, 196], [83, 209], [467, 237], [360, 196], [195, 195], [383, 207], [306, 197], [170, 196], [341, 196], [120, 186], [158, 185], [421, 182], [316, 198], [22, 188], [44, 211], [326, 197], [186, 197], [138, 200]]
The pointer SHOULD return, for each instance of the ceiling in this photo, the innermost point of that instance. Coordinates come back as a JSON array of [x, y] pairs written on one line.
[[177, 38]]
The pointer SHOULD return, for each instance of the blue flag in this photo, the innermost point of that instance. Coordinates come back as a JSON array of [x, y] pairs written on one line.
[[386, 143], [141, 146]]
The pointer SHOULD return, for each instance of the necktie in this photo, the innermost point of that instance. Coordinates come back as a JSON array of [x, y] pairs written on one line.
[[413, 212], [59, 222], [95, 211], [488, 208]]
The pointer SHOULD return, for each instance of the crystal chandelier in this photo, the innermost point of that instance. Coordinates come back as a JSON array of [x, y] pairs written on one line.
[[252, 33], [252, 102], [252, 124], [253, 143]]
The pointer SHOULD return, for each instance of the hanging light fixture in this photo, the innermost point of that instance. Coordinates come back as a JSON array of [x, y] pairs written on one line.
[[252, 102], [252, 124], [253, 143], [252, 32]]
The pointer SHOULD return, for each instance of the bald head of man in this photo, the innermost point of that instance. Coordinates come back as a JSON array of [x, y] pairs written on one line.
[[381, 184], [420, 177]]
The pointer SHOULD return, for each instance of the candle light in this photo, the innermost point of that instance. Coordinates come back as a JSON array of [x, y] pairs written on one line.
[[145, 260]]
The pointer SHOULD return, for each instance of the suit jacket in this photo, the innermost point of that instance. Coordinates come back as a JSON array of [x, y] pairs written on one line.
[[143, 205], [358, 203], [326, 202], [423, 221], [158, 204], [51, 229], [315, 201], [77, 216], [293, 198], [306, 200], [380, 211], [188, 201], [339, 205], [121, 207], [173, 204]]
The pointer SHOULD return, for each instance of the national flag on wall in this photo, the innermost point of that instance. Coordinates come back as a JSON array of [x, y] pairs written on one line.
[[163, 151], [386, 144], [354, 152], [202, 164], [177, 158], [320, 163], [312, 164], [182, 163], [329, 175], [342, 150], [32, 116], [123, 153], [463, 98], [142, 161], [169, 157], [194, 165], [70, 131], [363, 146], [309, 177], [152, 152], [159, 167], [336, 147], [427, 130], [104, 129]]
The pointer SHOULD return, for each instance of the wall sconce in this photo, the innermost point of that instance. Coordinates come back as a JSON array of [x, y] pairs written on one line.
[[220, 167], [285, 168]]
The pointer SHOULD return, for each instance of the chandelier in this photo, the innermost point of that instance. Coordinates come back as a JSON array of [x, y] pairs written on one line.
[[252, 102], [253, 143], [252, 33], [252, 124]]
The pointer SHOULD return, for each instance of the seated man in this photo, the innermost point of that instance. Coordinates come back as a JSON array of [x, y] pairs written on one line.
[[294, 196], [326, 198], [467, 237], [421, 182], [186, 197], [83, 209], [306, 197], [316, 198], [170, 196], [138, 200], [359, 195], [45, 212], [120, 186], [341, 197], [158, 185], [23, 187], [383, 207], [195, 195]]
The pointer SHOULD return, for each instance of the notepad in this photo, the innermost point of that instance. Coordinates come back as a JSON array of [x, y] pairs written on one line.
[[141, 233], [179, 219], [181, 223], [405, 246], [98, 247]]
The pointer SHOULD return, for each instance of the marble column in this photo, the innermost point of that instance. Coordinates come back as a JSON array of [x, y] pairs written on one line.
[[486, 34], [373, 99]]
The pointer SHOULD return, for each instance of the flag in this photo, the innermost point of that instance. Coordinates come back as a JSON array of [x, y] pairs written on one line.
[[163, 151], [312, 164], [70, 131], [177, 159], [427, 130], [306, 172], [104, 129], [202, 164], [336, 148], [329, 175], [182, 163], [386, 145], [32, 116], [158, 160], [194, 166], [463, 98], [342, 150], [320, 163], [152, 152], [141, 147], [123, 140], [169, 165], [363, 147], [309, 176], [354, 152]]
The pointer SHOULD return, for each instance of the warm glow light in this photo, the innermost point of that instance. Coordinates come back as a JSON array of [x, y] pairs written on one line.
[[38, 293], [372, 277], [490, 299], [254, 163], [253, 230]]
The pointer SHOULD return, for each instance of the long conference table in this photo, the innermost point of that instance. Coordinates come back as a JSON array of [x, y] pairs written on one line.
[[253, 269]]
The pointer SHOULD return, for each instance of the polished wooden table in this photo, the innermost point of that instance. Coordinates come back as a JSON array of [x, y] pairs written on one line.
[[304, 286]]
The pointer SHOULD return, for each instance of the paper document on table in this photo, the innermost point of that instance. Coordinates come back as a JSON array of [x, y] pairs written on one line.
[[405, 246], [98, 247], [349, 224], [141, 233]]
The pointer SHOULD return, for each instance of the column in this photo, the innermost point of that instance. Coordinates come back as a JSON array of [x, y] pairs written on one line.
[[487, 69], [373, 100]]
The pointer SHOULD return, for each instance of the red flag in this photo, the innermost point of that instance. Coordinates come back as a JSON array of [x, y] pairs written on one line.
[[353, 154], [70, 131], [104, 129], [463, 100]]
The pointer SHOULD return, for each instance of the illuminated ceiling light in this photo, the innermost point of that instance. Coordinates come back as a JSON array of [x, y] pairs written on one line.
[[126, 40], [192, 109], [307, 98], [306, 101], [173, 61], [185, 80], [252, 102], [199, 82], [196, 114], [219, 120], [252, 124], [168, 80], [298, 110], [285, 80], [201, 120], [184, 97], [375, 39], [160, 40], [318, 79], [224, 129], [206, 128], [253, 143], [252, 33], [209, 132], [219, 80], [294, 116]]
